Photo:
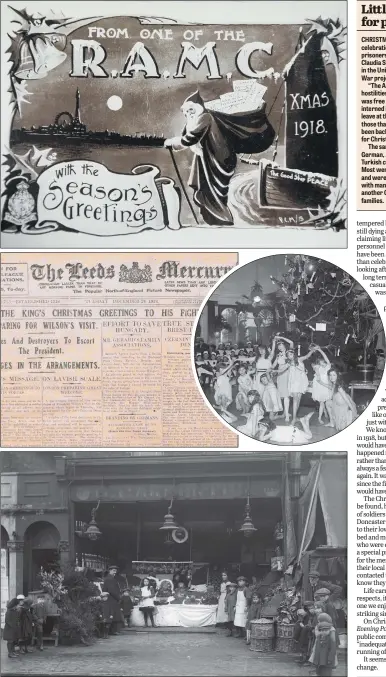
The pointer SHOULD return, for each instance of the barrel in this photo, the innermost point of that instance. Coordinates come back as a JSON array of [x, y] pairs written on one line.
[[262, 635], [365, 373], [285, 637]]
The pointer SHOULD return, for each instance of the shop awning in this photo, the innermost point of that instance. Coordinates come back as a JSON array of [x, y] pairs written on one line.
[[327, 480]]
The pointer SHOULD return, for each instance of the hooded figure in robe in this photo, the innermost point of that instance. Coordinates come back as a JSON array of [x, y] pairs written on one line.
[[215, 139]]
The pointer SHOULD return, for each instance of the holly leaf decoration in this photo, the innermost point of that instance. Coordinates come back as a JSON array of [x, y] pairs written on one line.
[[20, 93], [336, 35], [19, 165], [41, 158], [318, 25]]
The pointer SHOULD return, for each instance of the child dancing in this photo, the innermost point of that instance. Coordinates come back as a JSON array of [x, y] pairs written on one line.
[[270, 396], [321, 387]]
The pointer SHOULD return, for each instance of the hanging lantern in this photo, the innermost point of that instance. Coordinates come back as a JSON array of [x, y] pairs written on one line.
[[247, 527], [168, 540], [93, 532], [169, 521]]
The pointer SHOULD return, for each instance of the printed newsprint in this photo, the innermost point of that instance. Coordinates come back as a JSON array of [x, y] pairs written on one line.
[[121, 125], [96, 350], [370, 529]]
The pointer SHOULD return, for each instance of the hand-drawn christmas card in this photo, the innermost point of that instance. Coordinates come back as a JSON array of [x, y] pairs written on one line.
[[217, 134]]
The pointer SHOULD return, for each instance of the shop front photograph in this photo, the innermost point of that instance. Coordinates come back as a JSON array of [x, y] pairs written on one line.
[[213, 559]]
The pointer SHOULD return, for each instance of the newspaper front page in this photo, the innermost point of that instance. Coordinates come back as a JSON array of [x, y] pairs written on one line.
[[193, 280], [95, 350]]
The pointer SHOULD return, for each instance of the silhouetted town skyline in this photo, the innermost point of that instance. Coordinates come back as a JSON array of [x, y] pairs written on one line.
[[69, 127]]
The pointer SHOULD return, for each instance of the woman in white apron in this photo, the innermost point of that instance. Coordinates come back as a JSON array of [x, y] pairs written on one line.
[[241, 609], [222, 616]]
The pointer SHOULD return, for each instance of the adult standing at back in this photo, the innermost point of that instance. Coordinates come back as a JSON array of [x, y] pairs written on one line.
[[222, 616]]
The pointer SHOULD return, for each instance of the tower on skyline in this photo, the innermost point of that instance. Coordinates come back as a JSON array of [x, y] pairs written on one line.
[[77, 107]]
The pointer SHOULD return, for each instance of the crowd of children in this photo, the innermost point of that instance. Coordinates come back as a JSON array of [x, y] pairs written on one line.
[[23, 625], [261, 384], [316, 634], [25, 618], [316, 637]]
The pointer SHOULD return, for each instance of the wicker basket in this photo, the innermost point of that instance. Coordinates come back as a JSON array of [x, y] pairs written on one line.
[[262, 635], [285, 637]]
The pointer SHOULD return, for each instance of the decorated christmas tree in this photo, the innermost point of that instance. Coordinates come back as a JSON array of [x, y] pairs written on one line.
[[323, 304]]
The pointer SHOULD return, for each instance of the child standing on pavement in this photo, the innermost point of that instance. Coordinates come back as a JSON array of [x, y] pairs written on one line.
[[39, 611], [11, 632], [303, 633], [106, 615], [26, 625], [230, 605], [254, 612], [126, 606], [324, 651]]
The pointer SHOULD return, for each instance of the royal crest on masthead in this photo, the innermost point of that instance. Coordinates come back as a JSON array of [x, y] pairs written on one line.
[[135, 274]]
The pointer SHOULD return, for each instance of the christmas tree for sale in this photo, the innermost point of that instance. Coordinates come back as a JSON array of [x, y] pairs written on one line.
[[322, 304]]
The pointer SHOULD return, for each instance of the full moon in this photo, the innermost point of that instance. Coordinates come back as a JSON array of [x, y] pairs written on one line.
[[114, 102]]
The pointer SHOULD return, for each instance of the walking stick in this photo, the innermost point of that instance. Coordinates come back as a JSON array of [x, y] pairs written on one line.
[[182, 184]]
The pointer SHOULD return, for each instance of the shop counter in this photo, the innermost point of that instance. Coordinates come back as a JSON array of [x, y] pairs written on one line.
[[178, 615]]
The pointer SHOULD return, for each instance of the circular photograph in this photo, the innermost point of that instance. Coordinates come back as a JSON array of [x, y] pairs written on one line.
[[289, 349]]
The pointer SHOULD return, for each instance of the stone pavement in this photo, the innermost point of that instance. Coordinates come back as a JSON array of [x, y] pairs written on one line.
[[152, 653]]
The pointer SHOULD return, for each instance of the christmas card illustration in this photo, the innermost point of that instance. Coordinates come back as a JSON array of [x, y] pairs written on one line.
[[150, 127]]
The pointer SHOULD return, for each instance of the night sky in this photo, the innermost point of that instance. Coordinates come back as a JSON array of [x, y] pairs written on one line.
[[153, 105]]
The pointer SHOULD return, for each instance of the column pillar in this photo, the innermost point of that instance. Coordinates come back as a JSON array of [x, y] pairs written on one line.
[[64, 552], [16, 567], [204, 324]]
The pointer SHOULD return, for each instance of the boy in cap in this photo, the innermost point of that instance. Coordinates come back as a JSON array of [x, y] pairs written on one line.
[[336, 591], [126, 605], [243, 600], [324, 651], [303, 632], [106, 615], [230, 605], [39, 610], [323, 595]]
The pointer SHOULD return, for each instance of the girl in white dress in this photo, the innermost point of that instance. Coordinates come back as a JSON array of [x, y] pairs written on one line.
[[270, 396], [297, 379], [222, 386], [245, 385], [263, 364], [282, 372], [256, 413], [321, 387], [222, 616], [341, 406], [146, 603]]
